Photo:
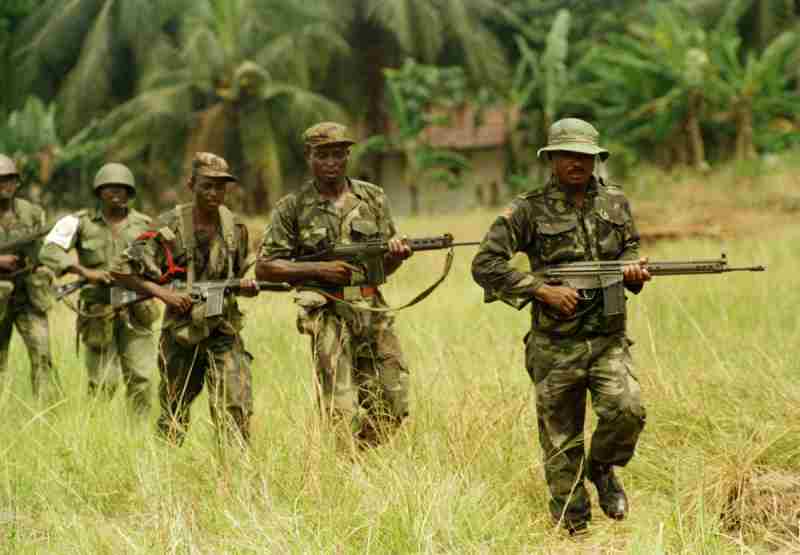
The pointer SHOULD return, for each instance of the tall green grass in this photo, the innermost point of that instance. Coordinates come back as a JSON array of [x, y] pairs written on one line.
[[716, 356]]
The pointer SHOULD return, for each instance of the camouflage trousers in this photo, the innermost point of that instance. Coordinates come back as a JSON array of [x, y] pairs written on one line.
[[563, 370], [33, 326], [130, 355], [360, 375], [221, 363]]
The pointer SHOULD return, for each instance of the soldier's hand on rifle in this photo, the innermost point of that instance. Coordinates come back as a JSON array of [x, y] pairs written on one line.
[[9, 262], [399, 249], [337, 272], [563, 299], [180, 302], [248, 287], [636, 273], [97, 277]]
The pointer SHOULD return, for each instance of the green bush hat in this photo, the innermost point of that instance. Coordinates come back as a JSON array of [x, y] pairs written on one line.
[[573, 135], [327, 133]]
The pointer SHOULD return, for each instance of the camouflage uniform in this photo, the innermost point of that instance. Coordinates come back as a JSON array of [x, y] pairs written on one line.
[[360, 374], [111, 338], [195, 350], [566, 358]]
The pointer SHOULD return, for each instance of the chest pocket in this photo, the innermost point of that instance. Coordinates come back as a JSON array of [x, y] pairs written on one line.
[[93, 252], [610, 233], [559, 242], [362, 230], [314, 239]]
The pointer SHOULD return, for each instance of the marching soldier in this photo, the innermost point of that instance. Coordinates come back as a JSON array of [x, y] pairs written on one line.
[[572, 347], [113, 340], [362, 378], [201, 240], [25, 285]]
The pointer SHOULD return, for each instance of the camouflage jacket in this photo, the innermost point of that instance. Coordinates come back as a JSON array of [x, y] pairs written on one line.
[[550, 229], [148, 257], [305, 222], [27, 218], [94, 240]]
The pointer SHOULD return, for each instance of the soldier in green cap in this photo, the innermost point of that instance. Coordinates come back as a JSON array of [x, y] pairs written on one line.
[[361, 378], [25, 285], [572, 348], [198, 241], [114, 340]]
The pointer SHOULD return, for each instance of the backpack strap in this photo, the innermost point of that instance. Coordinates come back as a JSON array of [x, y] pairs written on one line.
[[228, 223], [186, 228]]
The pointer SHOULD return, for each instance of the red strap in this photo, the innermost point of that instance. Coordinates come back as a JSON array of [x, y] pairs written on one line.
[[172, 268]]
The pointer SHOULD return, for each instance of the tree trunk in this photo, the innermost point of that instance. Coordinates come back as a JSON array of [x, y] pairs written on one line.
[[745, 149], [413, 191], [697, 147], [494, 194]]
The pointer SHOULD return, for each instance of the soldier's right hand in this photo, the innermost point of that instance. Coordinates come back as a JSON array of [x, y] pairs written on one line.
[[181, 303], [98, 277], [336, 272], [9, 262], [563, 299]]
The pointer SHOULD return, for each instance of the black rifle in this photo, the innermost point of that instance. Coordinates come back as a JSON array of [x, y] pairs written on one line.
[[369, 254], [211, 292], [606, 277]]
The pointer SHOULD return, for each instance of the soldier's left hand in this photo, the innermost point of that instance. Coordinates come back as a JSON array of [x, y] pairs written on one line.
[[248, 287], [636, 273], [400, 249]]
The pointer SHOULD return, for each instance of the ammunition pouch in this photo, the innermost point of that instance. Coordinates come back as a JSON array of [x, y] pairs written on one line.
[[39, 286], [199, 327], [96, 328], [145, 313], [6, 290]]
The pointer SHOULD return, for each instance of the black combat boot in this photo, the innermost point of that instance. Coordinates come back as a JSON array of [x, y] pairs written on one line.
[[612, 497]]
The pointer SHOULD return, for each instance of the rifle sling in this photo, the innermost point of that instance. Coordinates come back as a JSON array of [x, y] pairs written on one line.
[[448, 264]]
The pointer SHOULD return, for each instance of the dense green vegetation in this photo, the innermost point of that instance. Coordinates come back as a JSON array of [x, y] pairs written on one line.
[[669, 81]]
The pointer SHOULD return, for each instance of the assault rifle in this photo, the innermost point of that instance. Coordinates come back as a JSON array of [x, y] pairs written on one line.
[[11, 247], [605, 276], [369, 254], [211, 292]]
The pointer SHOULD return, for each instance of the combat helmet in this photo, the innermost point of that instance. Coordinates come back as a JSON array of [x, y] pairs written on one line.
[[7, 166], [115, 174], [573, 135]]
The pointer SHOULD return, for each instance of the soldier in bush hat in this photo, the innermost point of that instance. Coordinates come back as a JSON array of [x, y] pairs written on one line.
[[361, 375], [25, 285], [572, 348], [116, 341], [198, 241]]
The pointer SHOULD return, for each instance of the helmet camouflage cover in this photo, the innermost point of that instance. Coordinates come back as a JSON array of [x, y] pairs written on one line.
[[573, 135], [115, 174]]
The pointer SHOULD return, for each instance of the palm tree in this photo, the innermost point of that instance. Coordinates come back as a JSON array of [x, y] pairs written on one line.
[[89, 53], [382, 33], [235, 84]]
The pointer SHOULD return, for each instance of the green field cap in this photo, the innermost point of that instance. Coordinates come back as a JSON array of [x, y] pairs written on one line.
[[573, 135], [327, 133], [211, 165]]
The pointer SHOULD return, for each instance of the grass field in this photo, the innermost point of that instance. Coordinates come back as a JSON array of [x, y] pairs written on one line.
[[717, 469]]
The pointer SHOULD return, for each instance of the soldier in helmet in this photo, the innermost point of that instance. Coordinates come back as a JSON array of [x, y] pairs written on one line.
[[113, 340], [198, 241], [362, 379], [572, 348], [25, 285]]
